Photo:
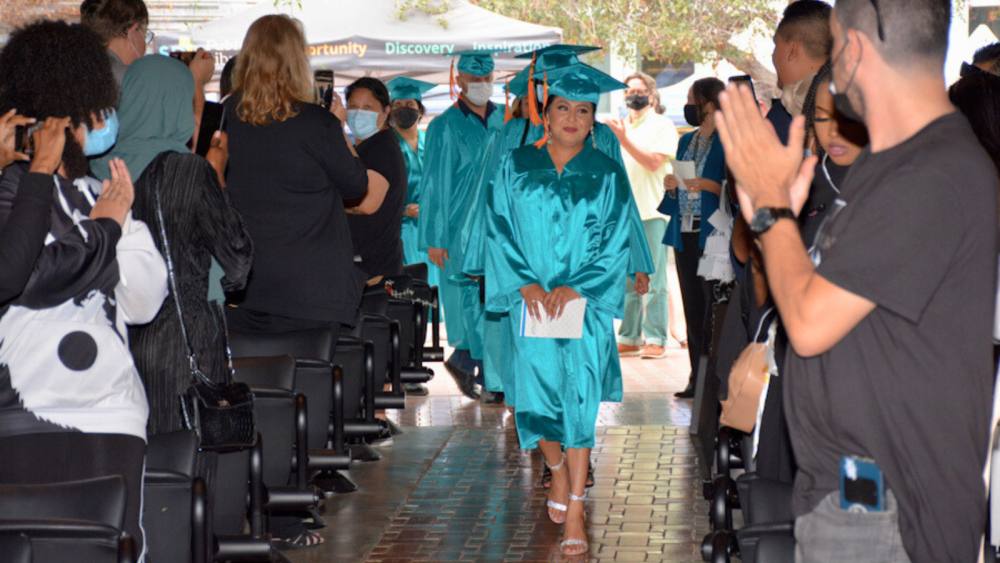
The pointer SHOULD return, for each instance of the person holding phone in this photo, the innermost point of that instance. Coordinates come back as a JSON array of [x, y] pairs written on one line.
[[72, 404], [689, 209]]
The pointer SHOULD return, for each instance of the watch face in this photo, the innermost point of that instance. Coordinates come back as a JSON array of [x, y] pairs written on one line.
[[762, 220]]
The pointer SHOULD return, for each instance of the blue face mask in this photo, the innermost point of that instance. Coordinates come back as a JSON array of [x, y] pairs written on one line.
[[100, 141], [363, 123]]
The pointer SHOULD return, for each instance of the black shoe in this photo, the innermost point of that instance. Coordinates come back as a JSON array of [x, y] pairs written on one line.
[[687, 393], [491, 398], [415, 389], [465, 380]]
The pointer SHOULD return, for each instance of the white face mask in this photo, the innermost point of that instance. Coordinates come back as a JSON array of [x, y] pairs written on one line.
[[479, 93]]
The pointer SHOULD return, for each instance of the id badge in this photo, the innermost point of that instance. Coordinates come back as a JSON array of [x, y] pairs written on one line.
[[687, 223]]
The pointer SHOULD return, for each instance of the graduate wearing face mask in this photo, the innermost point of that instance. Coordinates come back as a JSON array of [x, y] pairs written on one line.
[[407, 109], [457, 140], [375, 223]]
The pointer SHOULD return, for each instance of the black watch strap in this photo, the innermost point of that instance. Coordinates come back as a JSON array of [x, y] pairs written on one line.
[[765, 218]]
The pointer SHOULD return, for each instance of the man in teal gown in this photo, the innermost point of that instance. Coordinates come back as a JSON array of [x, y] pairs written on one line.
[[516, 133], [456, 143], [406, 93]]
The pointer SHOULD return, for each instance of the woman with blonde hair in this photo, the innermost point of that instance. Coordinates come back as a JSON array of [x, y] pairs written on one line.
[[290, 170]]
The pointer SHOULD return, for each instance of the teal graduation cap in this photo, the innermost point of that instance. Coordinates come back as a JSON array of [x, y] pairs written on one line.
[[545, 59], [405, 88], [477, 62], [581, 83]]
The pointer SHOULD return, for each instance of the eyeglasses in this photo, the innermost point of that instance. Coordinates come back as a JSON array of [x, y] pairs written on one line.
[[148, 36], [878, 21]]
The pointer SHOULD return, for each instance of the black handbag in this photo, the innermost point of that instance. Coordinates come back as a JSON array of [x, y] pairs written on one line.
[[221, 415]]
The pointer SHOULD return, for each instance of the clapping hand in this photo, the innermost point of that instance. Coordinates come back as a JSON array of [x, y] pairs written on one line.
[[218, 154], [8, 124], [617, 127], [116, 195], [768, 173]]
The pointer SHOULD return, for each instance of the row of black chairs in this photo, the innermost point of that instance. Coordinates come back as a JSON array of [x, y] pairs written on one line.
[[316, 394], [730, 480]]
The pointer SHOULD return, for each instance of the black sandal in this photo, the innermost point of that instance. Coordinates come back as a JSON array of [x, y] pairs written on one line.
[[547, 476]]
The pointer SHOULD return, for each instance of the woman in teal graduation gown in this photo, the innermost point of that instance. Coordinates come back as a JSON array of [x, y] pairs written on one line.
[[407, 109], [558, 229], [518, 132]]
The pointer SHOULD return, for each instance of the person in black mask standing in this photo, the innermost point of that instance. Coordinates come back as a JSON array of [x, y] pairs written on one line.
[[648, 140]]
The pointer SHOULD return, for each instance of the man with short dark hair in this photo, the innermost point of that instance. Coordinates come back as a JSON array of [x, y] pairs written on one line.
[[801, 47], [987, 59], [123, 26], [890, 371]]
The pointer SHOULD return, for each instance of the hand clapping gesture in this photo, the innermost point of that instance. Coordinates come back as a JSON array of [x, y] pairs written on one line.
[[116, 195], [768, 174]]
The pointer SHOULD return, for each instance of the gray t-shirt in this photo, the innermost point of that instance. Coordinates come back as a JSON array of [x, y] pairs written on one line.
[[911, 386]]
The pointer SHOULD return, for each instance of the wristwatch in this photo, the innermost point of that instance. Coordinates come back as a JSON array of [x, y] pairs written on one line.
[[765, 217]]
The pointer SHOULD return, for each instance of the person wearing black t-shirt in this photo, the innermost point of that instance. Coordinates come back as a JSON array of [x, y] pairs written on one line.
[[376, 224], [890, 319]]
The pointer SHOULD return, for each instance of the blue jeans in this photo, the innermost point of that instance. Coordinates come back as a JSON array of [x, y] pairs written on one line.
[[831, 534], [653, 321]]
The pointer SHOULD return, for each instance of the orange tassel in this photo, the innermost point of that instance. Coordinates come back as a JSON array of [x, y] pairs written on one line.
[[507, 113], [545, 120], [536, 120], [452, 83]]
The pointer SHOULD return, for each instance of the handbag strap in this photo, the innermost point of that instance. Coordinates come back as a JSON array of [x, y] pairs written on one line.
[[171, 275], [763, 317]]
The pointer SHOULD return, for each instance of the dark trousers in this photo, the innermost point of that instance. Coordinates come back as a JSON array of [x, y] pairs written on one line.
[[696, 296], [56, 457]]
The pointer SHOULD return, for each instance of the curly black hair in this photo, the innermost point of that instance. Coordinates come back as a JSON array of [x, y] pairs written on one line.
[[55, 69]]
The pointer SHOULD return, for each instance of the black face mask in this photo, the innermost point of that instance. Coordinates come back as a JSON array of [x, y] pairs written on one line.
[[841, 102], [692, 115], [636, 102], [405, 117]]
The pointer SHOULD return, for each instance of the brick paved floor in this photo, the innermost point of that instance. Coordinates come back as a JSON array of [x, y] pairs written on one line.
[[457, 487]]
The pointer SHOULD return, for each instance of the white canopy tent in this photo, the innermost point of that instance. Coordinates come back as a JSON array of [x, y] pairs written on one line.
[[355, 38]]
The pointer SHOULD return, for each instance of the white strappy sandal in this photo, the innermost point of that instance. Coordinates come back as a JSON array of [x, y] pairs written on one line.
[[581, 546], [553, 505]]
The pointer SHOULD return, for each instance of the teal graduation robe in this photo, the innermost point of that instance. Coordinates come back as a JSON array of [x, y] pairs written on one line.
[[570, 229], [415, 172], [456, 143], [497, 372]]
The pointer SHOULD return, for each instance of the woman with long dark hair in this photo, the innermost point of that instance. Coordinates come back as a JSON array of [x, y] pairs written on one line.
[[689, 210]]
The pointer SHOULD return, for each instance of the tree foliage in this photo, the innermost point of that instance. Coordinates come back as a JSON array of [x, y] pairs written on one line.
[[15, 13], [669, 31]]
